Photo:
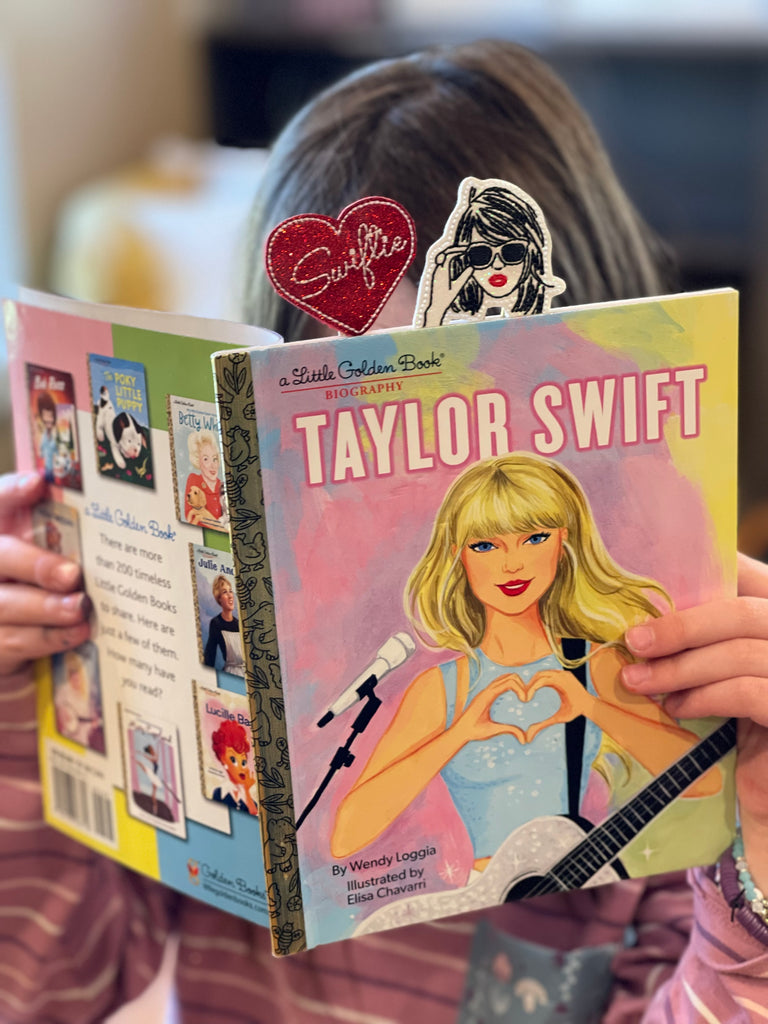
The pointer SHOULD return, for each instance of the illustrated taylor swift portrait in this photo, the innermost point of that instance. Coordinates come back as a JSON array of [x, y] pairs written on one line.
[[515, 572], [494, 256]]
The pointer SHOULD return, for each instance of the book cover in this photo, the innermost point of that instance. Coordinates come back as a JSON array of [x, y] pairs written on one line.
[[53, 425], [194, 431], [227, 767], [440, 538], [123, 766], [153, 771], [77, 697], [219, 641], [56, 527], [121, 419]]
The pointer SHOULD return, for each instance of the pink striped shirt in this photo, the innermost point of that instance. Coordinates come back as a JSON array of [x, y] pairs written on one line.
[[80, 935]]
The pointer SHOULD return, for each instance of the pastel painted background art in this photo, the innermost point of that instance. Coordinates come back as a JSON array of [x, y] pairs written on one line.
[[360, 440]]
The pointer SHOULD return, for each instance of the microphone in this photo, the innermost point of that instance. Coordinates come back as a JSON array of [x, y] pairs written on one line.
[[392, 653]]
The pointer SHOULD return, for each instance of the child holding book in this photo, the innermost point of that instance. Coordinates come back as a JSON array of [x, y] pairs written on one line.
[[80, 934]]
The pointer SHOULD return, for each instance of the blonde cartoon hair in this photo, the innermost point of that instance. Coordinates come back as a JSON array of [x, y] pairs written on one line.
[[591, 598], [218, 586], [74, 666], [195, 442]]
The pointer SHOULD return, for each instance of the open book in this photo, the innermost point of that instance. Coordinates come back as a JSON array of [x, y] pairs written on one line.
[[372, 726]]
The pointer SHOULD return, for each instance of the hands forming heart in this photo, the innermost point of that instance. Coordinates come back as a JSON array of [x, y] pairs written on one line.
[[507, 705]]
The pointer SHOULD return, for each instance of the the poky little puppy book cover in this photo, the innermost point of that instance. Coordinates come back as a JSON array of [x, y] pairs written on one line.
[[459, 525]]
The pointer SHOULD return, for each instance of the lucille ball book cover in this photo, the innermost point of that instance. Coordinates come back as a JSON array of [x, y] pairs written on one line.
[[464, 520]]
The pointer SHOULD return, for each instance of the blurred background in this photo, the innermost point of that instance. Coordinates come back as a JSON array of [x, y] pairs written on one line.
[[132, 134]]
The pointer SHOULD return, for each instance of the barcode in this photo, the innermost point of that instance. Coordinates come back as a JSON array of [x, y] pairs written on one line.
[[84, 805]]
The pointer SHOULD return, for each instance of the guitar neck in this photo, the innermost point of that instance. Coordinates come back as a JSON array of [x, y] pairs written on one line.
[[605, 842]]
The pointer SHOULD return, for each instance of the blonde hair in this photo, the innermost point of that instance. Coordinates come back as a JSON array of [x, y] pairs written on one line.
[[591, 598], [195, 442], [218, 585], [74, 663]]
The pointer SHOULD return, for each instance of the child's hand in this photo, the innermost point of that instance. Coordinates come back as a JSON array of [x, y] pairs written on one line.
[[713, 660], [443, 290], [42, 606]]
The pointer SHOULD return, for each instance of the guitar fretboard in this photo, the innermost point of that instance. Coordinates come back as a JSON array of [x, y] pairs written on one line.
[[605, 842]]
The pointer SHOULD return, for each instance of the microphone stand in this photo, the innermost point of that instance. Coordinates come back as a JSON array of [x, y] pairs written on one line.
[[343, 758]]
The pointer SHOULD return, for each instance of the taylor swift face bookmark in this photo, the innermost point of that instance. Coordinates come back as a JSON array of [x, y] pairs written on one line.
[[494, 256]]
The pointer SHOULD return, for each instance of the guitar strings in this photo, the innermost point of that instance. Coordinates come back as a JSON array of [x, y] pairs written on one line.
[[603, 844]]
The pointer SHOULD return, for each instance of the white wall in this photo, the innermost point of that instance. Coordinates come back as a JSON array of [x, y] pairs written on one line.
[[91, 84]]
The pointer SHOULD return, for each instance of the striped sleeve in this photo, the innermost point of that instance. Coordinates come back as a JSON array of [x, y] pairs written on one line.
[[226, 970], [79, 935], [722, 977]]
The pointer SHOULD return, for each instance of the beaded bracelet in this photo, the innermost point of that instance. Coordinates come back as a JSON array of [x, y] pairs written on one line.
[[753, 895], [733, 872]]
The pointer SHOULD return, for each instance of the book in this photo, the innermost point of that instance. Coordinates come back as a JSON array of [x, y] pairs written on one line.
[[415, 758], [53, 424], [250, 602], [128, 720]]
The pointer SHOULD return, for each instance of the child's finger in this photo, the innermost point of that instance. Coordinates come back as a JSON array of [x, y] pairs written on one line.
[[23, 562], [699, 666], [18, 491], [21, 644], [740, 697], [706, 624]]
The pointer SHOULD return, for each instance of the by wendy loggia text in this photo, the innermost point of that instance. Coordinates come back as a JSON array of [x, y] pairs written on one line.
[[390, 880], [352, 443]]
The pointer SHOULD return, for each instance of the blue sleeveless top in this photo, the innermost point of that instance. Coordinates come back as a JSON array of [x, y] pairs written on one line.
[[499, 783]]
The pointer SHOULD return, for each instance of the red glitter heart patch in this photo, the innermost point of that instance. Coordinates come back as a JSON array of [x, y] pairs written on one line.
[[342, 271]]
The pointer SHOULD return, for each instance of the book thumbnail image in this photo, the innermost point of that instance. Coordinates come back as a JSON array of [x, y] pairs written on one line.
[[56, 527], [153, 772], [121, 419], [53, 419], [228, 772], [197, 464], [218, 624], [77, 697]]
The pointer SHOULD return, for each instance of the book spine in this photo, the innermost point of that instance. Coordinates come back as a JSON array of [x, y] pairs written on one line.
[[240, 444]]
